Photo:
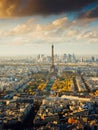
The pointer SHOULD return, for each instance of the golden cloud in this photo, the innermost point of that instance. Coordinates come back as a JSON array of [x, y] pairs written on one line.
[[10, 8]]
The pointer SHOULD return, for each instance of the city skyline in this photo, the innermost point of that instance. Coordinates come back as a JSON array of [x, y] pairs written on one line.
[[30, 27]]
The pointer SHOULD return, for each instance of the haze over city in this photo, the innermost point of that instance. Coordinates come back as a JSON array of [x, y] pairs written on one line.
[[30, 27]]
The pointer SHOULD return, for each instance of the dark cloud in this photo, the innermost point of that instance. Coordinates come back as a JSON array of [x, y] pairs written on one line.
[[90, 14], [40, 7], [54, 6]]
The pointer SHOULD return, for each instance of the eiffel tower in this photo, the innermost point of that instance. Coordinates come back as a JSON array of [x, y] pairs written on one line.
[[52, 68]]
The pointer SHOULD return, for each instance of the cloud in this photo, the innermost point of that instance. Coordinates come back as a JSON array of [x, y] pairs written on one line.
[[35, 32], [93, 13], [90, 14], [8, 8], [91, 36], [12, 8], [60, 30], [72, 33], [54, 25], [30, 26], [23, 28]]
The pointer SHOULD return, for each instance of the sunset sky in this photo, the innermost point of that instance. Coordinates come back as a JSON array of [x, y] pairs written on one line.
[[30, 27]]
